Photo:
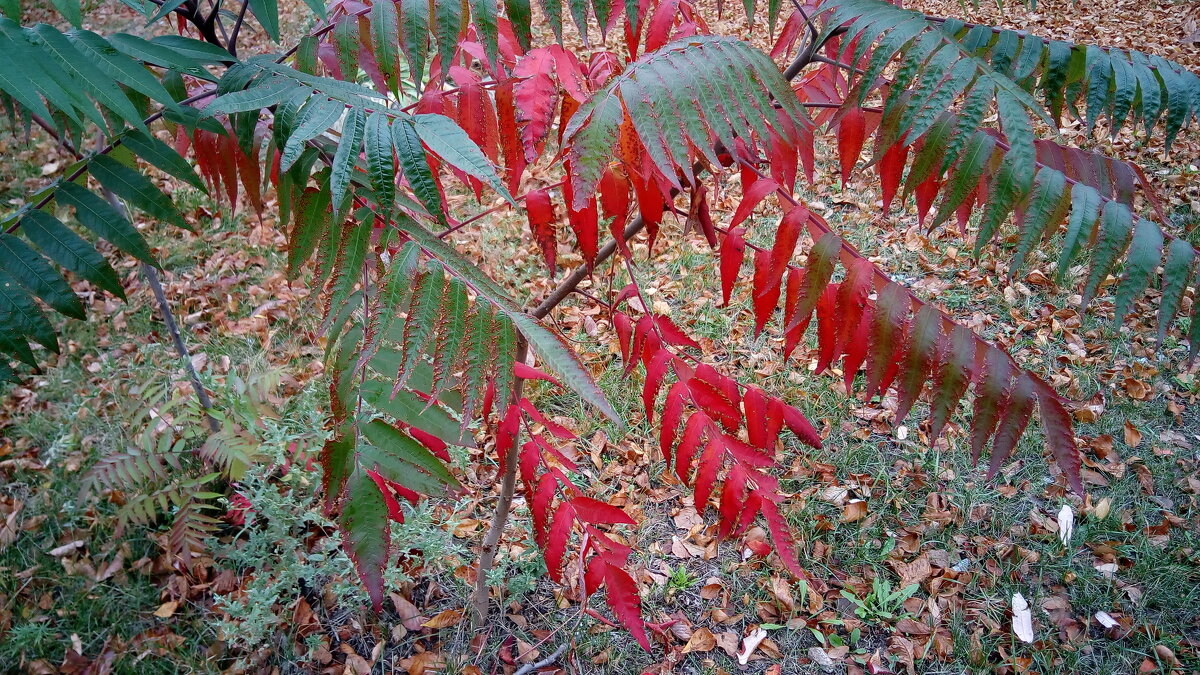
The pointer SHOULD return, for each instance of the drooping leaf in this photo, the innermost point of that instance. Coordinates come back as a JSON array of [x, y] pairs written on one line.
[[70, 250], [1144, 255], [33, 272]]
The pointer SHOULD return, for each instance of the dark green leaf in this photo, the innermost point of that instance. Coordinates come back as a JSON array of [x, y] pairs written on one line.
[[70, 250]]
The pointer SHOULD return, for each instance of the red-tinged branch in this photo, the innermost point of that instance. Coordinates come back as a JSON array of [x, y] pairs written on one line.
[[483, 214]]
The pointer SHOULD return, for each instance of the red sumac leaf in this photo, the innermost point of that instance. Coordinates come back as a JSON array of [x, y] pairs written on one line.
[[556, 540], [817, 273], [717, 403], [781, 535], [625, 603], [753, 195], [540, 212], [525, 372], [672, 413], [926, 192], [852, 300], [851, 135], [919, 357], [543, 495], [733, 494], [856, 348], [827, 320], [766, 290], [393, 506], [656, 370], [673, 334], [887, 335], [799, 425], [706, 470], [697, 424], [1056, 425], [956, 359], [991, 393], [585, 223], [733, 252], [758, 428], [624, 328], [597, 512], [891, 169], [785, 245], [614, 201], [535, 95]]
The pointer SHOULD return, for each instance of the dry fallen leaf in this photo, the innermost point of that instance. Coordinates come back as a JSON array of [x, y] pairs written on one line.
[[166, 609], [1022, 622], [444, 619], [855, 510], [749, 644], [702, 640], [1133, 437]]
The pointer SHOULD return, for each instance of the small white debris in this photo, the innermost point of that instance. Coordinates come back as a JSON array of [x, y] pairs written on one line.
[[1105, 619], [1066, 524], [1022, 619], [749, 644]]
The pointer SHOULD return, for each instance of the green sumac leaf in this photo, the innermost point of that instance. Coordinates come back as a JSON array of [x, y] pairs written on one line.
[[550, 348], [967, 172], [1176, 274], [267, 91], [405, 448], [318, 114], [100, 217], [381, 165], [267, 13], [415, 411], [346, 154], [32, 271], [448, 141], [311, 222], [1144, 256], [1116, 226], [1009, 187], [1085, 209], [414, 37], [416, 169], [365, 532], [162, 157], [424, 305], [135, 188], [70, 250], [1047, 193], [385, 38], [20, 314]]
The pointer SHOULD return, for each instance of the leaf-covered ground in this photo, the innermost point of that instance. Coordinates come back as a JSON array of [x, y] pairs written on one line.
[[920, 559]]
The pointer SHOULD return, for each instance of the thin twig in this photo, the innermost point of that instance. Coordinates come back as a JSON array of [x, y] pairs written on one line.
[[491, 541], [66, 144], [549, 660], [237, 28]]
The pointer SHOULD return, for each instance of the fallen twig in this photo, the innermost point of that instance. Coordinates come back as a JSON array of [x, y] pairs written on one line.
[[549, 660]]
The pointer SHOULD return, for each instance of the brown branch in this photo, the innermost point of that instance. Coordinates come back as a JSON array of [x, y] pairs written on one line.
[[237, 28], [491, 541]]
